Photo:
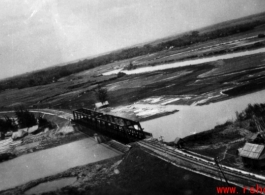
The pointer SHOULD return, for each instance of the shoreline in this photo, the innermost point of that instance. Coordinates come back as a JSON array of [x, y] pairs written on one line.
[[43, 140], [195, 57], [157, 116], [45, 144], [72, 172], [120, 175]]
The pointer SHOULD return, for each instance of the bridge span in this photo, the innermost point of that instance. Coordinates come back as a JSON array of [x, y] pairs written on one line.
[[114, 127]]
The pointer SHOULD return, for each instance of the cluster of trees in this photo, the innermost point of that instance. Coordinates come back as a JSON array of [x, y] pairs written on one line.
[[102, 94], [195, 37], [130, 66], [6, 125], [36, 78], [43, 122], [25, 119], [256, 109], [50, 75]]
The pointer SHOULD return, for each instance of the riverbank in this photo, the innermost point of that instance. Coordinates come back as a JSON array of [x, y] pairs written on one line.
[[136, 172], [223, 141], [62, 132], [32, 144], [52, 161], [141, 111]]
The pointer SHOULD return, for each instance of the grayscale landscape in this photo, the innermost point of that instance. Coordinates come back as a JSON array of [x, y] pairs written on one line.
[[132, 97]]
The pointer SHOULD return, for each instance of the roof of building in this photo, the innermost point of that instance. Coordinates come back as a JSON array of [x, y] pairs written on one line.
[[252, 151], [100, 104], [253, 137], [177, 140]]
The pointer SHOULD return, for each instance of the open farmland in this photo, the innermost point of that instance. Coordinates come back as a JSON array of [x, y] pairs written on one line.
[[78, 90], [234, 43], [198, 84]]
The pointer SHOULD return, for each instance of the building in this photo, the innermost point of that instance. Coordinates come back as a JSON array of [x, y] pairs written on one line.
[[257, 138], [101, 105], [178, 142], [253, 155]]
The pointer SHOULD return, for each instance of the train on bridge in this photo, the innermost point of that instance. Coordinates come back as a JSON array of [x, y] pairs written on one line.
[[114, 127]]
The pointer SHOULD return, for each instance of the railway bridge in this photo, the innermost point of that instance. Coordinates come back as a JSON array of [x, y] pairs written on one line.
[[114, 127]]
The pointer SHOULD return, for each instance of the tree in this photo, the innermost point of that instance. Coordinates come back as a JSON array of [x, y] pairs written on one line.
[[3, 130], [25, 118], [194, 33], [261, 35], [102, 94], [6, 125], [130, 66], [43, 121], [121, 74]]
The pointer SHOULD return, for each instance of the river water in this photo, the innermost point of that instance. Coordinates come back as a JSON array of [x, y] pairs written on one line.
[[193, 119], [51, 185], [187, 62], [189, 120], [51, 161]]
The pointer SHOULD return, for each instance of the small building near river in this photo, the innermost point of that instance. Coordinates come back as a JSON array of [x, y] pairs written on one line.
[[253, 155]]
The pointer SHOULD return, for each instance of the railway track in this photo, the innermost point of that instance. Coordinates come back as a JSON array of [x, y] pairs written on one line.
[[205, 166]]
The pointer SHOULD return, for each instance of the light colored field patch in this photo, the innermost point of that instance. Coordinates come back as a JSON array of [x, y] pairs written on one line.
[[66, 130], [170, 101], [162, 100], [152, 100], [142, 110], [147, 112]]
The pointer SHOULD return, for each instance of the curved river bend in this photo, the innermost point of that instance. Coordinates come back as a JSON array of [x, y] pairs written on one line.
[[51, 161], [194, 119]]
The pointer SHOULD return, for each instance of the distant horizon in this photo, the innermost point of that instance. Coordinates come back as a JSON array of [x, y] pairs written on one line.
[[40, 34], [108, 52]]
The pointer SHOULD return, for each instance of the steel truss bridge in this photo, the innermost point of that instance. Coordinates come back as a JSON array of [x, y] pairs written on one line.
[[118, 128]]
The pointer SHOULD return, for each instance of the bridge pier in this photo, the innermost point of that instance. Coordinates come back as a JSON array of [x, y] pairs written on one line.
[[100, 138]]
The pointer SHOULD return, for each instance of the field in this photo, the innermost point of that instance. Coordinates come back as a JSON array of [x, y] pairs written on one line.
[[213, 81]]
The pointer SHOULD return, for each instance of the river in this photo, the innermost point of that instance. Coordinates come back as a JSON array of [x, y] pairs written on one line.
[[189, 120], [193, 119], [51, 161], [187, 62]]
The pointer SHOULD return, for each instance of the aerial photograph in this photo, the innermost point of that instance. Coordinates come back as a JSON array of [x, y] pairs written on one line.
[[132, 97]]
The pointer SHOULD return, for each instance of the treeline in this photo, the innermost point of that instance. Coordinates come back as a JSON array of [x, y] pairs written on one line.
[[50, 75], [257, 110], [24, 119], [195, 37]]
